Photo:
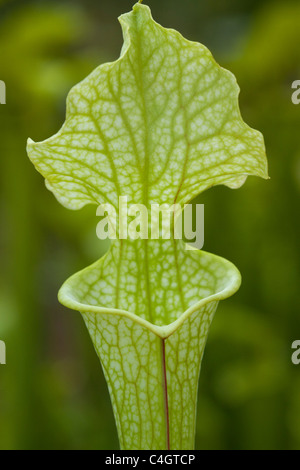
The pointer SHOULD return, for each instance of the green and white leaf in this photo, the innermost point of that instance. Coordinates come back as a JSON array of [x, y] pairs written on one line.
[[159, 125]]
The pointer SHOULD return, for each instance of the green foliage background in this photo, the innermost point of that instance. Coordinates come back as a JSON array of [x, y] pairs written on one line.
[[52, 391]]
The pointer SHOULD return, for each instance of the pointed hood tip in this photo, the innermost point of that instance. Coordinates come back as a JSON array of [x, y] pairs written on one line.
[[30, 142]]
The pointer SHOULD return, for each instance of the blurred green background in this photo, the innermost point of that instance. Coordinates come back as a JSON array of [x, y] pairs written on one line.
[[52, 391]]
